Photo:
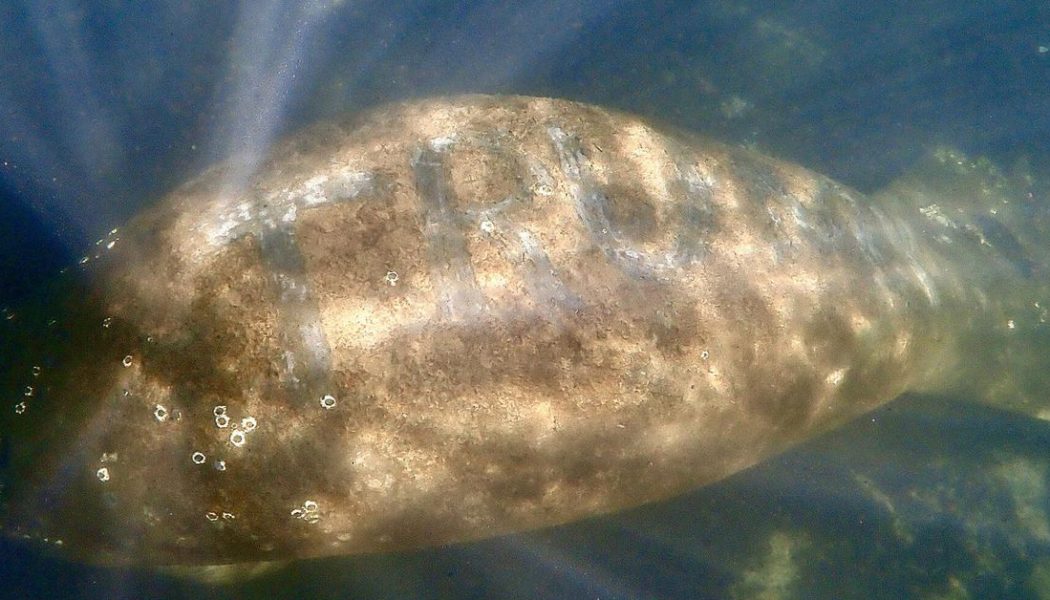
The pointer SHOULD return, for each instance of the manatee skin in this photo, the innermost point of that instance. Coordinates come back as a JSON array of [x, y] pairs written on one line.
[[450, 319]]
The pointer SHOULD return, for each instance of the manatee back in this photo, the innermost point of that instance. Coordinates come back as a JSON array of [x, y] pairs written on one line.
[[450, 319]]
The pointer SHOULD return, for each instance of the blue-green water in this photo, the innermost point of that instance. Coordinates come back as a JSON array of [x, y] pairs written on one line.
[[105, 106]]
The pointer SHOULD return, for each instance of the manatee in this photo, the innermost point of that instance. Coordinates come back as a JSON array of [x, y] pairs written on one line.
[[449, 319]]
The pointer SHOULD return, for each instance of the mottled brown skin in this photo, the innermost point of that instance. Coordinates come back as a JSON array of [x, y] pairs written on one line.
[[526, 311]]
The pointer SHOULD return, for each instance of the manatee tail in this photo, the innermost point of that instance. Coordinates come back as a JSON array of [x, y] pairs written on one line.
[[991, 227]]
